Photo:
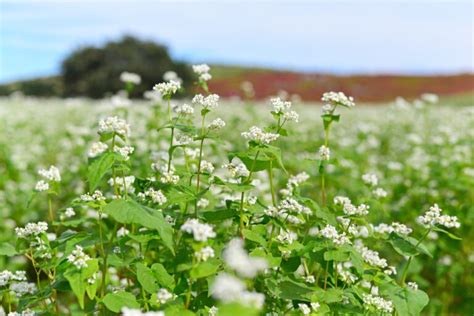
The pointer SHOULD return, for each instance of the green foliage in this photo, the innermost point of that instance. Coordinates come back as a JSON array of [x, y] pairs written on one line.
[[95, 71]]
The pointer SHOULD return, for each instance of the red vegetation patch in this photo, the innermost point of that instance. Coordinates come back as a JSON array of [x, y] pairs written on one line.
[[310, 87]]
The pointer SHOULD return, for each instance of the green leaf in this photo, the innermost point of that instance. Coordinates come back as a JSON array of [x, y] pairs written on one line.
[[233, 309], [146, 278], [449, 234], [402, 246], [98, 168], [292, 290], [7, 250], [116, 301], [130, 212], [178, 310], [163, 277], [77, 279], [254, 236], [336, 255], [205, 269], [406, 301]]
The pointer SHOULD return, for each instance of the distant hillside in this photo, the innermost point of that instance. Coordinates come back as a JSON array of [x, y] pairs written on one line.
[[227, 82]]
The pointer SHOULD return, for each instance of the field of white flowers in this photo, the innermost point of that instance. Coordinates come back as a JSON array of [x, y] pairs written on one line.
[[215, 207]]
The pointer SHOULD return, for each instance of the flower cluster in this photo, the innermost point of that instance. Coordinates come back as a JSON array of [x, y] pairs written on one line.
[[203, 72], [167, 89], [97, 149], [31, 229], [78, 258], [130, 77], [378, 303], [338, 98], [433, 217], [156, 196], [209, 102], [50, 176], [257, 135], [114, 124], [330, 232], [238, 259], [227, 289], [200, 231]]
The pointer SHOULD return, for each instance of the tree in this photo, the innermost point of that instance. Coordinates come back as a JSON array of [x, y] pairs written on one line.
[[95, 71]]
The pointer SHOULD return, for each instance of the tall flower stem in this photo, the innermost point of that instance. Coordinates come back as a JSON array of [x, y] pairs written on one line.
[[405, 270], [323, 174], [198, 180], [241, 209]]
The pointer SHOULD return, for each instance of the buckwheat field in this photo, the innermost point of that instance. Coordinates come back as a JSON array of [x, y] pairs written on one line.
[[207, 206]]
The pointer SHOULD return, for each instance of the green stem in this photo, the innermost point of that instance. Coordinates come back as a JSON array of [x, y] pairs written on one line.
[[323, 175], [50, 209], [198, 180], [241, 209], [405, 270], [170, 153], [116, 192]]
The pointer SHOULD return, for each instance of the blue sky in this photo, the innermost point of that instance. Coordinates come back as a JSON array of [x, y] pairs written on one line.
[[383, 36]]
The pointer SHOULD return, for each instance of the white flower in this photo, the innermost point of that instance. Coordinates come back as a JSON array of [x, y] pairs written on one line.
[[171, 75], [124, 151], [97, 149], [227, 288], [430, 98], [122, 231], [352, 210], [238, 259], [203, 203], [156, 196], [209, 102], [206, 166], [433, 217], [372, 257], [213, 311], [377, 302], [97, 196], [205, 253], [216, 124], [183, 140], [324, 153], [201, 232], [203, 72], [413, 285], [31, 229], [130, 77], [22, 288], [341, 200], [338, 98], [169, 177], [259, 136], [304, 308], [42, 186], [123, 183], [396, 227], [164, 296], [51, 174], [330, 232], [184, 109], [167, 89], [113, 124], [379, 193], [370, 179], [69, 212], [237, 169], [78, 258], [288, 237], [280, 106]]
